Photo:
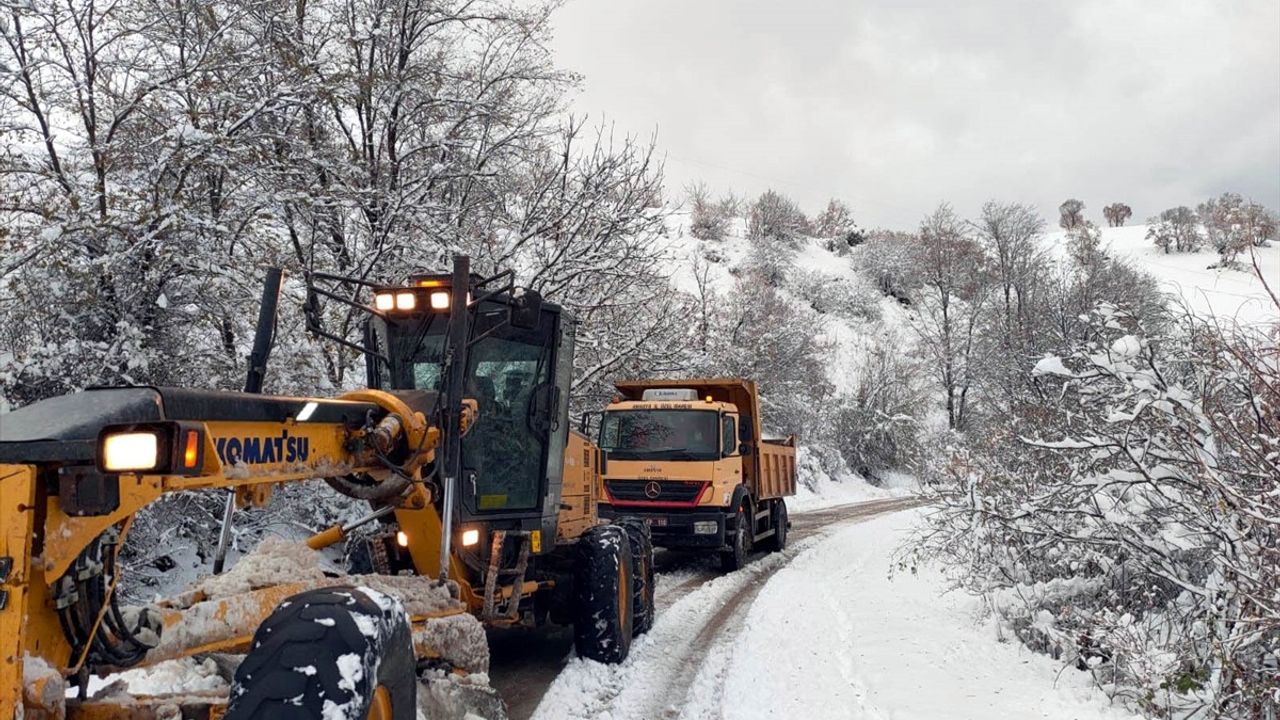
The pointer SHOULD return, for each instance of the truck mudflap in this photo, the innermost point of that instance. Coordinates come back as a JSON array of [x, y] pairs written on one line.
[[676, 529]]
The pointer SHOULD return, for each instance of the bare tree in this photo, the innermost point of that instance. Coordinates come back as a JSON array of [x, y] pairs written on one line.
[[1011, 234], [836, 224], [1233, 225], [1176, 230], [1116, 214], [1071, 214], [953, 272], [776, 218], [708, 219]]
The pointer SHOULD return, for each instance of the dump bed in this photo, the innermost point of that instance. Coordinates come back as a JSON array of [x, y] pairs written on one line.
[[770, 469], [777, 459]]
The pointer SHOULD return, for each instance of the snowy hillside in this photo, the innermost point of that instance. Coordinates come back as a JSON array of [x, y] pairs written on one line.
[[845, 312], [1224, 293]]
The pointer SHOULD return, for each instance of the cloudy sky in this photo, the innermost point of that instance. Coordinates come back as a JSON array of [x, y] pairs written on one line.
[[896, 106]]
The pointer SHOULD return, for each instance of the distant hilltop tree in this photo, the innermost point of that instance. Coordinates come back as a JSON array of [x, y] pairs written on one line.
[[776, 217], [1176, 230], [1233, 225], [708, 219], [1117, 213], [1071, 214], [836, 224]]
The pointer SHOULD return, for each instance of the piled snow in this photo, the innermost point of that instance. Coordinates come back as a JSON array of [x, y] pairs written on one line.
[[274, 562], [184, 676], [1229, 294], [818, 489], [832, 635]]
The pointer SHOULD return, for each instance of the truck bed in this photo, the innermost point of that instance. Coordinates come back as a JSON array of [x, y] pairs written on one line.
[[777, 469]]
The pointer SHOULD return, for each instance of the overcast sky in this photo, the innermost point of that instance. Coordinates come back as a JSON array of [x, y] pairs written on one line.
[[895, 106]]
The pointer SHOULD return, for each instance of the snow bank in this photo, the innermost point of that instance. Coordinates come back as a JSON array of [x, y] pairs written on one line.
[[819, 489], [833, 636]]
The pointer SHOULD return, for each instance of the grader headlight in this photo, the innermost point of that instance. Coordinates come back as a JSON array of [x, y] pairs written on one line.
[[130, 452], [171, 448]]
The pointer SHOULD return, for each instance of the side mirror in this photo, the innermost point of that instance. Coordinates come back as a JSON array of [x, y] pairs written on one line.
[[526, 308], [744, 449]]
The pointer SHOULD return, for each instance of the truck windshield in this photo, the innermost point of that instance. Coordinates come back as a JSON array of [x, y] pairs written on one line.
[[661, 434]]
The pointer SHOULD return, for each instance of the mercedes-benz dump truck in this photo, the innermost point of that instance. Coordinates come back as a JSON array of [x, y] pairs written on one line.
[[688, 457]]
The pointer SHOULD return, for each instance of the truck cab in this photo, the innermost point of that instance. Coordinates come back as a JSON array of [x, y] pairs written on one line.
[[687, 457]]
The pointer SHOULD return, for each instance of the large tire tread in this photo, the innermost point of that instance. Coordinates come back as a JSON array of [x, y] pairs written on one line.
[[296, 662], [642, 599], [603, 618]]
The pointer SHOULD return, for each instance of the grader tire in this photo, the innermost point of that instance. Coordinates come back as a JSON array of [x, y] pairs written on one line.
[[603, 589], [335, 647], [642, 596]]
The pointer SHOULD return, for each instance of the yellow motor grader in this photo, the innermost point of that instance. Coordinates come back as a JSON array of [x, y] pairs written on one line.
[[482, 509]]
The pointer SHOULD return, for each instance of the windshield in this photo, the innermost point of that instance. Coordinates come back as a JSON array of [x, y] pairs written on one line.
[[661, 434], [503, 454]]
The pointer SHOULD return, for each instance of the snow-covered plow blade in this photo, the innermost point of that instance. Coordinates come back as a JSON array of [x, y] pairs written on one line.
[[293, 650]]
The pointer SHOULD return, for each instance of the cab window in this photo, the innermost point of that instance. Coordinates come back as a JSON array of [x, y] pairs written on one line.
[[728, 436]]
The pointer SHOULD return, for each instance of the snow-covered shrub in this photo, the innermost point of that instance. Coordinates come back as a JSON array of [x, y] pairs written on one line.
[[886, 257], [1128, 521], [846, 297], [1176, 230], [778, 218], [878, 425], [1233, 225]]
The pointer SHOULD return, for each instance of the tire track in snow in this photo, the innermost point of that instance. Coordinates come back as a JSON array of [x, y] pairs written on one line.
[[668, 662]]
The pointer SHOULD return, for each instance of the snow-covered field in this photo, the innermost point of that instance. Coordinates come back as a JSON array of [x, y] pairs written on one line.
[[1228, 294], [828, 635]]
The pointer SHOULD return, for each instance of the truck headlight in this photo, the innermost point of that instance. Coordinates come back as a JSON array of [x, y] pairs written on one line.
[[470, 537], [130, 451], [705, 527]]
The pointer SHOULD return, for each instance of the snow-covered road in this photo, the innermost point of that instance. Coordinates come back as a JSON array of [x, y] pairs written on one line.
[[823, 631]]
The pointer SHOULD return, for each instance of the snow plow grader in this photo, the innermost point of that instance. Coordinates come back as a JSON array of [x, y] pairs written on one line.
[[481, 512]]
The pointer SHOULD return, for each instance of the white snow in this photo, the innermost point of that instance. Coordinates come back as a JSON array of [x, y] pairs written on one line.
[[817, 489], [829, 635], [185, 676], [1228, 294], [832, 635]]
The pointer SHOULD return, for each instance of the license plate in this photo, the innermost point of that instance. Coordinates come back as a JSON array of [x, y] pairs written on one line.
[[658, 521]]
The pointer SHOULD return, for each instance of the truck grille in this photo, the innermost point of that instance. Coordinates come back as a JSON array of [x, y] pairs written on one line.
[[642, 490]]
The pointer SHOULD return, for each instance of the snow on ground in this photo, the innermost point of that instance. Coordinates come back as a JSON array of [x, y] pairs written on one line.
[[1225, 293], [832, 635], [660, 660], [817, 489]]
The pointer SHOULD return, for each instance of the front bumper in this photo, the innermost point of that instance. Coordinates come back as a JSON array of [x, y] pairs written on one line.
[[675, 528]]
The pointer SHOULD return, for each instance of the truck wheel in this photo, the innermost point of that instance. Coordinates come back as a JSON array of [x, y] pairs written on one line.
[[603, 618], [735, 558], [642, 562], [778, 541], [339, 651]]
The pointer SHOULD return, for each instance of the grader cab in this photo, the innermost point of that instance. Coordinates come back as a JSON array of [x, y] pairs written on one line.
[[482, 505]]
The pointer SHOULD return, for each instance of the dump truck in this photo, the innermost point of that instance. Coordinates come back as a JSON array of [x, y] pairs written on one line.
[[481, 512], [687, 458]]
